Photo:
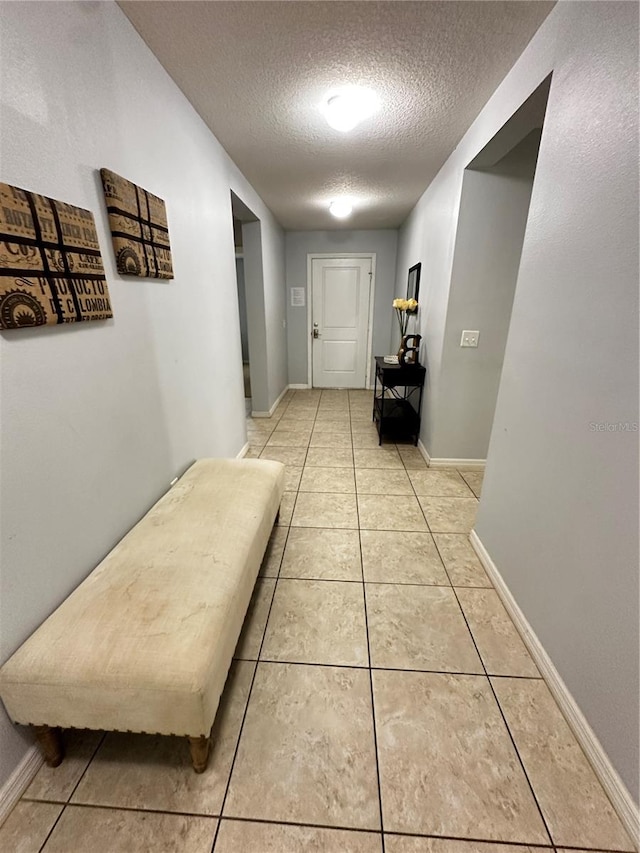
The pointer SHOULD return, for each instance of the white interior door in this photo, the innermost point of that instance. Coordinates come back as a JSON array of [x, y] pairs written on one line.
[[341, 293]]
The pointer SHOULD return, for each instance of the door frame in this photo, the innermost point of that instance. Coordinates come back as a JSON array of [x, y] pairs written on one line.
[[313, 256]]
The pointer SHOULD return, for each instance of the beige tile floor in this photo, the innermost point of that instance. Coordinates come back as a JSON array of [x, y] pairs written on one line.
[[380, 700]]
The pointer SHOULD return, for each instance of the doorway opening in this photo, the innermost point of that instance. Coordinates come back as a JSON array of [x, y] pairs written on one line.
[[340, 299], [494, 208], [242, 308], [251, 306]]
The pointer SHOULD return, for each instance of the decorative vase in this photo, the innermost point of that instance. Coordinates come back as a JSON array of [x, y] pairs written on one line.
[[409, 348]]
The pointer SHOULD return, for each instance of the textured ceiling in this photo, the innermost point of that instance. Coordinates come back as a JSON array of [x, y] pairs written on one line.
[[257, 73]]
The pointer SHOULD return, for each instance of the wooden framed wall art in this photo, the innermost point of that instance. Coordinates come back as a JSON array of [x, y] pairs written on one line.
[[138, 222], [50, 263]]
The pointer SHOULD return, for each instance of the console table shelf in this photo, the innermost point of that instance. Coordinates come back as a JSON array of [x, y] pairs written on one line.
[[397, 400]]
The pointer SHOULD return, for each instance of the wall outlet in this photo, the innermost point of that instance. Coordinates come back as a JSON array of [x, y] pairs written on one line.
[[469, 339]]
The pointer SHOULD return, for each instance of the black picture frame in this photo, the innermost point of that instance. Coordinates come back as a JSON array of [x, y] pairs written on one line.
[[413, 282]]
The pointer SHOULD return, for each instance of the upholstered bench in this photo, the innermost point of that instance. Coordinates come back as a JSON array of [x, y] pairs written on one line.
[[144, 644]]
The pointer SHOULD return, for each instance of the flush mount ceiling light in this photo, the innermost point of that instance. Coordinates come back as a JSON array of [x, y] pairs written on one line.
[[345, 108], [340, 208]]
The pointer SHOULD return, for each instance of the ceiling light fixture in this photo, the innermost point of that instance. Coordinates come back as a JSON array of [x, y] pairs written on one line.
[[340, 208], [346, 108]]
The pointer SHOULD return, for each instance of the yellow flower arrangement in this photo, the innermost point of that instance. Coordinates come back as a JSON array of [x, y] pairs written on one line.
[[408, 305], [404, 308]]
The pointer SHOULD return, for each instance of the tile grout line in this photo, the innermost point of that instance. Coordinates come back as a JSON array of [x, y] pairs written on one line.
[[253, 678], [333, 827], [387, 669], [345, 828], [526, 846], [426, 521], [306, 454], [373, 706], [374, 583], [504, 719], [305, 824], [75, 787], [486, 675], [136, 809], [372, 529], [477, 497]]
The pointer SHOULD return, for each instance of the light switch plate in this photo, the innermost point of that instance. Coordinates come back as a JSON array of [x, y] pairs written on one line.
[[469, 339]]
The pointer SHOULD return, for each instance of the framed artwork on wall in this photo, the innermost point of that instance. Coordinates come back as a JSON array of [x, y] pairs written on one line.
[[50, 263], [139, 232], [413, 282]]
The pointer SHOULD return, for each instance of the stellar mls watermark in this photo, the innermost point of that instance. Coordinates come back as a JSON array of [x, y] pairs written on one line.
[[613, 426]]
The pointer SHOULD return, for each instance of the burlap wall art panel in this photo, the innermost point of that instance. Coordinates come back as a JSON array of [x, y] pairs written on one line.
[[138, 222], [50, 264]]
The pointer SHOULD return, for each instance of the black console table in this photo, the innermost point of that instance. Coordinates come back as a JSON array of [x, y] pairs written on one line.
[[397, 399]]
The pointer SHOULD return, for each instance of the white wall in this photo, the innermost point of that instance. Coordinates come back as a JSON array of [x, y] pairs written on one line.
[[559, 510], [301, 243], [97, 419], [491, 225]]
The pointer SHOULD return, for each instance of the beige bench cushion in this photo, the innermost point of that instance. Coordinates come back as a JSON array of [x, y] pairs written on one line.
[[145, 642]]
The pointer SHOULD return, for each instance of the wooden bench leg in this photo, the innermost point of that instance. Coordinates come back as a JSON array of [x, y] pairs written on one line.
[[199, 748], [50, 742]]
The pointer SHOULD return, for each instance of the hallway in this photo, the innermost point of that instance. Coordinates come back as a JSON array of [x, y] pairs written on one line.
[[390, 680]]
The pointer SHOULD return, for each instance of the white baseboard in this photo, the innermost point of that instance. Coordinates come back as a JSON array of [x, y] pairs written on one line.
[[464, 464], [294, 387], [18, 782], [243, 452], [615, 788], [273, 408], [424, 451]]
